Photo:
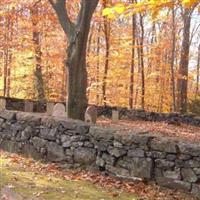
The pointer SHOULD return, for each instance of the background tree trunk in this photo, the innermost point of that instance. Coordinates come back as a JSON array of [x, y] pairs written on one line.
[[39, 83], [132, 70], [182, 82], [198, 73]]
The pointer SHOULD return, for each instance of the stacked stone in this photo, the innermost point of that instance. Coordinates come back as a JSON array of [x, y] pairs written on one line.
[[174, 118], [132, 155]]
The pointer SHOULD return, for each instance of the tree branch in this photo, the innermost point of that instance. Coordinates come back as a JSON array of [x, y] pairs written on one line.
[[86, 11], [60, 8]]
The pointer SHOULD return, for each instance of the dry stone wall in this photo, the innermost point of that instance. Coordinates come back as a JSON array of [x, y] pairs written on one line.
[[130, 155]]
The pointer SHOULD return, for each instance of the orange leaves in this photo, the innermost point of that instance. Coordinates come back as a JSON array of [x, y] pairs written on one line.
[[152, 6]]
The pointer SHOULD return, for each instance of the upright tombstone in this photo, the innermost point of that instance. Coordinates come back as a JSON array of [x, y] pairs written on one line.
[[28, 106], [2, 104], [115, 115], [91, 115], [59, 110], [50, 107]]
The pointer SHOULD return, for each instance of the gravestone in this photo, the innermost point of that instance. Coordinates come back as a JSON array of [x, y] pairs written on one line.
[[2, 104], [115, 115], [50, 107], [28, 106], [59, 110], [91, 115]]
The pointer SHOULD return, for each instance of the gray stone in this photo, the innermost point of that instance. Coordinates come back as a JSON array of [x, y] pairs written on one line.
[[100, 162], [197, 170], [8, 115], [55, 152], [156, 154], [69, 152], [102, 134], [110, 160], [196, 190], [117, 144], [26, 134], [136, 153], [189, 175], [85, 156], [173, 184], [141, 167], [158, 172], [164, 164], [176, 174], [163, 145], [48, 134], [117, 152], [88, 144], [171, 157], [67, 144], [82, 128], [64, 138], [29, 117], [188, 148], [10, 146], [184, 157], [117, 171], [38, 142]]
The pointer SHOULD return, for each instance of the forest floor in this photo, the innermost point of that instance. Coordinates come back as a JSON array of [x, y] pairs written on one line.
[[183, 131], [28, 179]]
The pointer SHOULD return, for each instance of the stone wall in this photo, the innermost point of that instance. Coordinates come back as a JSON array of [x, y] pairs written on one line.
[[174, 118], [130, 155]]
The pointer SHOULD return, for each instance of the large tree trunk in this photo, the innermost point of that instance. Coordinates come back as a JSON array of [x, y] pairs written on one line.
[[77, 34], [182, 82]]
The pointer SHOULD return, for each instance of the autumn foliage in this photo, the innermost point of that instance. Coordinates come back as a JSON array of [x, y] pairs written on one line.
[[33, 52]]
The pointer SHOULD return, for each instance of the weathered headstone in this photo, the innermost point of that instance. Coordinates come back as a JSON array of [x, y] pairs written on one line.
[[115, 115], [91, 114], [59, 110], [2, 104], [28, 106], [50, 107]]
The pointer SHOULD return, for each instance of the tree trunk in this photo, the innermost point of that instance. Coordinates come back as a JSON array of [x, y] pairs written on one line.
[[131, 97], [39, 83], [77, 34], [172, 61], [182, 82], [198, 73], [107, 55], [98, 65], [142, 62]]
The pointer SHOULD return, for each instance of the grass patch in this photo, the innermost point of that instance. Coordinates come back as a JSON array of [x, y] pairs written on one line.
[[48, 187]]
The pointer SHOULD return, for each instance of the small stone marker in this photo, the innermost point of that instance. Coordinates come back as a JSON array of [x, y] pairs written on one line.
[[2, 104], [91, 115], [50, 107], [115, 115], [28, 106], [59, 110]]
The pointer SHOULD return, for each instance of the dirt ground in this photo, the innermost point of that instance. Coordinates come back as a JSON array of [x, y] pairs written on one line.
[[183, 132]]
